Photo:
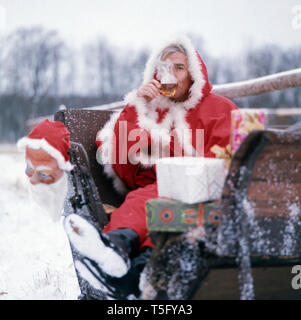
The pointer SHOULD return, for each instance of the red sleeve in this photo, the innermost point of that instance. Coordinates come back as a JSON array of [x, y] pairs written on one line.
[[98, 143], [215, 118]]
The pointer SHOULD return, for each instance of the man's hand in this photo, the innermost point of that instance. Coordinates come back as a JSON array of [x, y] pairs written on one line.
[[149, 91]]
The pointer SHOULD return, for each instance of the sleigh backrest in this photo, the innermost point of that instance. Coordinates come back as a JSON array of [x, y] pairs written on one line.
[[83, 126], [262, 195]]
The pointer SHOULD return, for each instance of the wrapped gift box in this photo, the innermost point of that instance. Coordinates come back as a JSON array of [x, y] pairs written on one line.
[[244, 121], [164, 215], [191, 180]]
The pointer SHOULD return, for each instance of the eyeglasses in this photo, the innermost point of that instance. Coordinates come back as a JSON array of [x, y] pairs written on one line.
[[44, 175]]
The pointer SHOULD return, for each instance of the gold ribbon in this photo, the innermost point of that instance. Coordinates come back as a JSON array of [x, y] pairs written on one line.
[[108, 208], [223, 153]]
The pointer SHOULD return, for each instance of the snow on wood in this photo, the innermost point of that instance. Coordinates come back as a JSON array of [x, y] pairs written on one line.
[[277, 81]]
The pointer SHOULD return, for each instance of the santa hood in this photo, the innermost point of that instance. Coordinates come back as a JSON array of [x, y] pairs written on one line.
[[52, 137], [201, 86]]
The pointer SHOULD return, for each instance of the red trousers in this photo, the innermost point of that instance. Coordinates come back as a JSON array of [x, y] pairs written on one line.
[[132, 213]]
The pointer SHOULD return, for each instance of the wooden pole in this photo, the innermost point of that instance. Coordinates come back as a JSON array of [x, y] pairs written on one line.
[[253, 87]]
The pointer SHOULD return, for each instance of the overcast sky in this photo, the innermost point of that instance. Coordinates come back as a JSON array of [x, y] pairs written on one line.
[[225, 25]]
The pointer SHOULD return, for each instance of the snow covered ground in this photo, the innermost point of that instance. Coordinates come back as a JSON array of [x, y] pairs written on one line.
[[35, 257]]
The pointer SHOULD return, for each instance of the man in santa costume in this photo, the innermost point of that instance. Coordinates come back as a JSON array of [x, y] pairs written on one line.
[[153, 124]]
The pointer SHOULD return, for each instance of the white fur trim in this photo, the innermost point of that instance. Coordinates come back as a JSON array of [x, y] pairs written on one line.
[[44, 145], [161, 132], [194, 67], [117, 182], [106, 135], [105, 151], [147, 115]]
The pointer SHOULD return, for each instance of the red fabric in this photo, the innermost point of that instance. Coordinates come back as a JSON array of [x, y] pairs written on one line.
[[207, 87], [98, 143], [55, 133], [131, 214], [213, 115]]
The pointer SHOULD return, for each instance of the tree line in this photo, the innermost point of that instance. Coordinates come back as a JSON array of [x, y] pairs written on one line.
[[39, 72]]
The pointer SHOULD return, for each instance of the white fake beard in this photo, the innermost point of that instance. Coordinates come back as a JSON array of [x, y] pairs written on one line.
[[50, 197]]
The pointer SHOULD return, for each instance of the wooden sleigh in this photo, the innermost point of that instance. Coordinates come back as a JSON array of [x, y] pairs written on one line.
[[231, 263]]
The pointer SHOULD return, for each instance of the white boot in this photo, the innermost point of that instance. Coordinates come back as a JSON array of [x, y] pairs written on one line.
[[96, 246]]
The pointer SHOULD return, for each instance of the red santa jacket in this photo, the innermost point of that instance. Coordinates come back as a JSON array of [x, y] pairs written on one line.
[[132, 140]]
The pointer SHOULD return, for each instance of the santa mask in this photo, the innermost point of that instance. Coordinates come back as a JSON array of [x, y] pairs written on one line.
[[47, 160], [50, 198]]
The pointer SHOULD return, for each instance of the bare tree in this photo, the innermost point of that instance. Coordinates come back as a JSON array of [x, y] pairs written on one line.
[[99, 65], [32, 60], [112, 71], [130, 64], [2, 82], [267, 60]]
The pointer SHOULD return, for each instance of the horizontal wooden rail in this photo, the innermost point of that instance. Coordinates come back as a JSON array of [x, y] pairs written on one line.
[[253, 87]]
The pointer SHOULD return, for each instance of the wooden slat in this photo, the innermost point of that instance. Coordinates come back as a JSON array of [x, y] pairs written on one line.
[[265, 190], [274, 171]]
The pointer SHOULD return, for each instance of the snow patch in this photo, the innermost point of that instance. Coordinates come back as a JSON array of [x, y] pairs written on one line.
[[35, 256], [289, 239]]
